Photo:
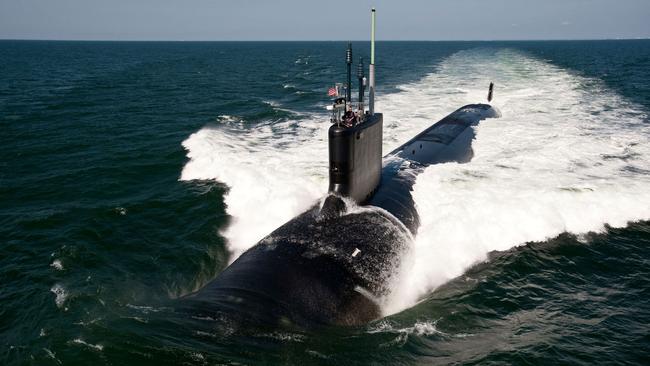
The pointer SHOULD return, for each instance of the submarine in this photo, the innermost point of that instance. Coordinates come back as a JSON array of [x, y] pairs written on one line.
[[334, 263]]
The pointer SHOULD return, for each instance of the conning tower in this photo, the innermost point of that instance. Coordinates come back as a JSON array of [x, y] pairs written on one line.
[[355, 138]]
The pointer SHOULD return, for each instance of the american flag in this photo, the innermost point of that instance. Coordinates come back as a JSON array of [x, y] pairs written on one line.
[[333, 92]]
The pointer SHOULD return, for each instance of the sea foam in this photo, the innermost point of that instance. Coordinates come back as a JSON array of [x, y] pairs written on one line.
[[567, 156]]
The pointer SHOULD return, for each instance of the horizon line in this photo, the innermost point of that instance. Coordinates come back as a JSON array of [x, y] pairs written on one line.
[[325, 40]]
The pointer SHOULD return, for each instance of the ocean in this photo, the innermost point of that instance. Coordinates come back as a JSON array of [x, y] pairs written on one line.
[[132, 173]]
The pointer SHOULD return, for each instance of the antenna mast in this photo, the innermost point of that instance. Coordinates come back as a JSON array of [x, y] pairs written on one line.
[[348, 60], [360, 76], [371, 88]]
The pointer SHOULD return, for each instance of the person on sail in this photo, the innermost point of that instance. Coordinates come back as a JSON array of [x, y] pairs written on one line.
[[349, 118]]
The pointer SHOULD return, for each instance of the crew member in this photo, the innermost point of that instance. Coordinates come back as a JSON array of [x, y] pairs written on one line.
[[349, 118]]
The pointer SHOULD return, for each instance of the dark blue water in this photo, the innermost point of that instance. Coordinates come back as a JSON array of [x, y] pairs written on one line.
[[98, 235]]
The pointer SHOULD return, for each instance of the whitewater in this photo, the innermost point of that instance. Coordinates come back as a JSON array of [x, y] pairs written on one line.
[[567, 155]]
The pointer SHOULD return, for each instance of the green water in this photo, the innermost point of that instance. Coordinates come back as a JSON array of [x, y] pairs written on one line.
[[99, 236]]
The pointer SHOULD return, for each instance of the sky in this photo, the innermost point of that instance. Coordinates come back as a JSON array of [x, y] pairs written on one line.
[[220, 20]]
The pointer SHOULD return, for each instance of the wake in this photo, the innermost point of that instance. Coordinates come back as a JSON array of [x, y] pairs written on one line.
[[568, 155]]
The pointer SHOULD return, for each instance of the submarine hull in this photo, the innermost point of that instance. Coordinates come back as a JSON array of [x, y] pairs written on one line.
[[315, 269], [334, 263], [448, 140]]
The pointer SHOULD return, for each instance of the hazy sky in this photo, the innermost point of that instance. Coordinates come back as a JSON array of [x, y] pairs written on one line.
[[323, 20]]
